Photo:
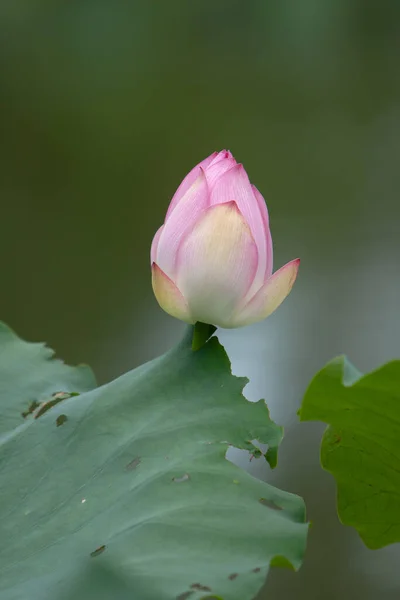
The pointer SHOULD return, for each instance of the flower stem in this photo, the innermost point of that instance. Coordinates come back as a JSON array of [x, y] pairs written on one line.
[[201, 333]]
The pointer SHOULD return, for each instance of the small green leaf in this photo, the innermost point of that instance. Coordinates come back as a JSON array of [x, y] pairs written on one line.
[[361, 446]]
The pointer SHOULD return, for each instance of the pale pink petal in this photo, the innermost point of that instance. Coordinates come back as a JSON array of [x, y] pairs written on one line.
[[235, 185], [216, 170], [168, 295], [216, 264], [180, 222], [269, 297], [264, 214], [154, 245], [188, 181]]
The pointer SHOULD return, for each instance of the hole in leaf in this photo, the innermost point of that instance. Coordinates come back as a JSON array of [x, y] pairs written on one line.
[[270, 504], [184, 477], [133, 464], [233, 576], [98, 551], [201, 588], [61, 419]]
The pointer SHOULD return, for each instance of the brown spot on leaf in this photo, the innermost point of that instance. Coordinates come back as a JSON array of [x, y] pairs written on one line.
[[133, 464], [233, 576], [98, 551], [31, 408], [60, 395], [184, 477], [61, 419], [256, 570], [336, 438], [201, 588], [55, 399], [270, 504]]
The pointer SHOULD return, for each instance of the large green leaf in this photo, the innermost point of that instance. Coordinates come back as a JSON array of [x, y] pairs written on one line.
[[124, 491], [361, 446]]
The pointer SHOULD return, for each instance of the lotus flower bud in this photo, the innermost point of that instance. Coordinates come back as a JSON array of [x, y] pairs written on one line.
[[212, 258]]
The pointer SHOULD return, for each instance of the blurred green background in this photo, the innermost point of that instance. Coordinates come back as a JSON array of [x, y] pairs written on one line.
[[105, 105]]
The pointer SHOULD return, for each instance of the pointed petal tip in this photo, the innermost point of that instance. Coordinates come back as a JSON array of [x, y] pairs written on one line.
[[169, 296], [225, 153], [270, 296], [232, 205], [228, 154], [201, 180], [288, 272], [238, 169], [295, 264]]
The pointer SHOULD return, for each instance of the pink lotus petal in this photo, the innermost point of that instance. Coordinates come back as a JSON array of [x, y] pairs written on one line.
[[224, 154], [217, 169], [216, 264], [180, 222], [265, 218], [168, 295], [154, 244], [188, 181], [269, 297], [235, 185]]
